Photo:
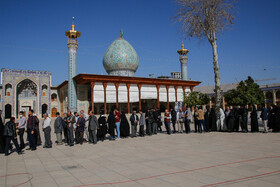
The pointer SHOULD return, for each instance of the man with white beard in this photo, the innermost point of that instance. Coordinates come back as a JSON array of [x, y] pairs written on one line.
[[86, 117]]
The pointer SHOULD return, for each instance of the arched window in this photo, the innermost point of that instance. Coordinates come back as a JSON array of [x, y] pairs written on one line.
[[44, 109], [54, 97], [8, 89], [54, 111], [44, 90], [8, 111]]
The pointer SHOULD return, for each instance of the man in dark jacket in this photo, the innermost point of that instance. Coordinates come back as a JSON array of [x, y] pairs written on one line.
[[58, 126], [149, 122], [134, 121], [70, 126], [92, 127], [10, 134], [173, 119], [30, 130]]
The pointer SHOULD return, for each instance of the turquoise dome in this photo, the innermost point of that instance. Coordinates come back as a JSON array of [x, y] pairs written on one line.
[[121, 58]]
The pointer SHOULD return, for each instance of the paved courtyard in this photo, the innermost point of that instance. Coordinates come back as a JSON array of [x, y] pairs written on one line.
[[211, 159]]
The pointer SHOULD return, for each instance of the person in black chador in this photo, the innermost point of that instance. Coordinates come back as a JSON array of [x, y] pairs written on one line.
[[206, 120], [275, 119], [212, 120], [2, 138], [254, 120], [124, 126], [229, 119], [238, 119], [244, 116], [159, 122], [102, 127], [111, 123]]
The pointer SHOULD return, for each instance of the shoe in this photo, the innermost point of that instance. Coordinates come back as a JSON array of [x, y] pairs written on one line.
[[33, 149], [20, 153]]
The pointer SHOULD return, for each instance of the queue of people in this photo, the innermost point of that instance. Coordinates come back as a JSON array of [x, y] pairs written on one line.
[[78, 128]]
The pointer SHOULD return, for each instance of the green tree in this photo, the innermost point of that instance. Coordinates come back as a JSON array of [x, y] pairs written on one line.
[[247, 93], [196, 98]]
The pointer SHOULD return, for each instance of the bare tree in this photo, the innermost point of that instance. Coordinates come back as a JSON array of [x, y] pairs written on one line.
[[205, 19]]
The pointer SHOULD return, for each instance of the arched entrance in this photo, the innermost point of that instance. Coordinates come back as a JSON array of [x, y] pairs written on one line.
[[54, 111], [8, 111], [26, 96], [44, 109]]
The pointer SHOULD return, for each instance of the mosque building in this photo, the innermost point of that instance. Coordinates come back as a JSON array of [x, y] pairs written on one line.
[[21, 90]]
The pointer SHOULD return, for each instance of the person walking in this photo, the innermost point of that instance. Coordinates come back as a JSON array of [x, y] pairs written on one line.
[[264, 117], [173, 119], [180, 120], [30, 130], [21, 129], [70, 127], [134, 121], [58, 128], [118, 122], [47, 130], [142, 123], [80, 129], [10, 134], [167, 119], [92, 127]]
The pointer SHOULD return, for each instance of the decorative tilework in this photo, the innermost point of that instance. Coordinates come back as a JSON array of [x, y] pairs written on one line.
[[121, 57]]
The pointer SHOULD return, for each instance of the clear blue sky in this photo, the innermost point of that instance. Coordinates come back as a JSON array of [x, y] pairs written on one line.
[[33, 38]]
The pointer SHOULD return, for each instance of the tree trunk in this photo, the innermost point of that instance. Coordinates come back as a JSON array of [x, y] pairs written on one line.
[[217, 78]]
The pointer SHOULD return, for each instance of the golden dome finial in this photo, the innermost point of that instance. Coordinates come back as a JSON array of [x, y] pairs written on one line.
[[73, 25], [73, 33], [183, 51]]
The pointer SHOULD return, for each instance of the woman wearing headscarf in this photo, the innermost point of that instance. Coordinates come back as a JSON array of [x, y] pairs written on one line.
[[124, 128], [254, 120], [102, 129], [111, 123]]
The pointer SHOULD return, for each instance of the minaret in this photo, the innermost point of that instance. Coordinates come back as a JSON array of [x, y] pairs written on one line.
[[72, 44], [183, 59]]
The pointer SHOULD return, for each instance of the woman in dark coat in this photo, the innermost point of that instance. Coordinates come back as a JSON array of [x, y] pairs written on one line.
[[254, 120], [124, 127], [111, 123], [212, 120], [102, 129], [206, 119]]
